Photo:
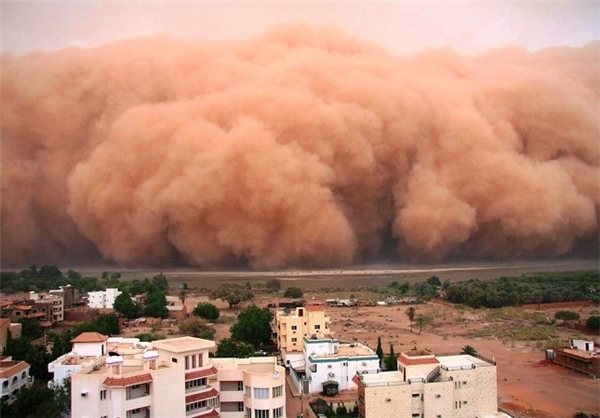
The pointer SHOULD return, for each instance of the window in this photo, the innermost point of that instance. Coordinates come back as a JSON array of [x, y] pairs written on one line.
[[195, 405], [248, 390], [277, 391], [173, 359], [415, 395], [248, 412], [135, 387], [213, 402], [294, 339], [261, 413], [195, 383], [317, 327], [135, 411], [102, 395], [294, 328], [261, 393], [240, 385], [278, 412], [193, 362], [187, 362], [240, 406]]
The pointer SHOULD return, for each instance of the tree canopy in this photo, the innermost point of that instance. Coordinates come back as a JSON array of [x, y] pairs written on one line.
[[206, 310], [230, 348], [293, 293], [253, 326], [125, 306], [233, 294]]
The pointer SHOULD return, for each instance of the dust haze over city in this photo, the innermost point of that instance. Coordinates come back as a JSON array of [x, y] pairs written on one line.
[[299, 135]]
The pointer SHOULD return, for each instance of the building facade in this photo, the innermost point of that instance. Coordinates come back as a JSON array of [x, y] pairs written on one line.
[[291, 326], [252, 387], [430, 387], [173, 378], [103, 298]]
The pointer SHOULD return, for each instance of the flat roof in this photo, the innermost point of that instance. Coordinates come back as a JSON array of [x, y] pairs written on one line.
[[183, 344], [461, 361], [383, 378]]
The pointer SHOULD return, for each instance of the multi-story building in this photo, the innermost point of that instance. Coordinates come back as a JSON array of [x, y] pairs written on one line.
[[103, 298], [56, 299], [329, 367], [291, 327], [174, 378], [13, 376], [430, 387], [252, 387]]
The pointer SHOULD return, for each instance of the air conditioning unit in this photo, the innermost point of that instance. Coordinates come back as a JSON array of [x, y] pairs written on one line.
[[331, 375], [364, 364], [329, 366], [438, 396], [85, 393]]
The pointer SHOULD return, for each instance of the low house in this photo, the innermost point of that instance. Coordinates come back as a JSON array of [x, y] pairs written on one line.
[[13, 376]]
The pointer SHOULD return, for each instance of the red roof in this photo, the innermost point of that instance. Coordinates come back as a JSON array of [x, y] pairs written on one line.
[[11, 368], [128, 381], [209, 414], [314, 307], [201, 373], [89, 337], [202, 395], [416, 361]]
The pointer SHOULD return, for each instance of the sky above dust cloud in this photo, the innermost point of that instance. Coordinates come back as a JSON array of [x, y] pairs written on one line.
[[298, 145]]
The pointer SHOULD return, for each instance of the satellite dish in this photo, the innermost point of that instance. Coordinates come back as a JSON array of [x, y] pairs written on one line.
[[286, 311]]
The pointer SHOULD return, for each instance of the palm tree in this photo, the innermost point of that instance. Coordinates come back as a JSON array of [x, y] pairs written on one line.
[[410, 312], [182, 296], [468, 349]]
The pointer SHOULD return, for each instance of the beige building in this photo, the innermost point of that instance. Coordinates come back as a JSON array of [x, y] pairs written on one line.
[[252, 387], [173, 378], [430, 387], [291, 326]]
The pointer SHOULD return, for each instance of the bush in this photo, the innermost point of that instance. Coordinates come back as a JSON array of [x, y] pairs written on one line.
[[293, 292], [567, 315], [593, 322], [206, 311]]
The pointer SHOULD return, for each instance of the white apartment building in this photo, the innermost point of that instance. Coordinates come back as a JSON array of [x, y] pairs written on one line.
[[103, 298], [329, 367], [430, 387], [13, 376], [252, 387], [173, 378], [291, 326]]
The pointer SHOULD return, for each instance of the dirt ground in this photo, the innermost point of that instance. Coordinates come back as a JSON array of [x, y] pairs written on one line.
[[528, 386]]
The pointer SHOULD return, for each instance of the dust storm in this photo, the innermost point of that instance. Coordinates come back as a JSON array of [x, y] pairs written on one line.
[[303, 146]]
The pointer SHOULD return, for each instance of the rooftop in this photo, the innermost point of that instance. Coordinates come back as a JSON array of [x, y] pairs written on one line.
[[183, 344], [462, 361], [89, 337], [10, 368]]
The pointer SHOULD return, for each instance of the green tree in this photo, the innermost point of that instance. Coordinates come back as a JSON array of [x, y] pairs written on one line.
[[273, 285], [206, 310], [411, 312], [422, 320], [156, 305], [182, 296], [197, 327], [253, 326], [593, 322], [379, 350], [36, 401], [124, 305], [31, 328], [230, 348], [468, 349], [434, 281], [391, 361], [161, 283], [233, 294], [293, 293]]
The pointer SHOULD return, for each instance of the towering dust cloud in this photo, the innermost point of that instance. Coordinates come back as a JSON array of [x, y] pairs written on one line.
[[302, 147]]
